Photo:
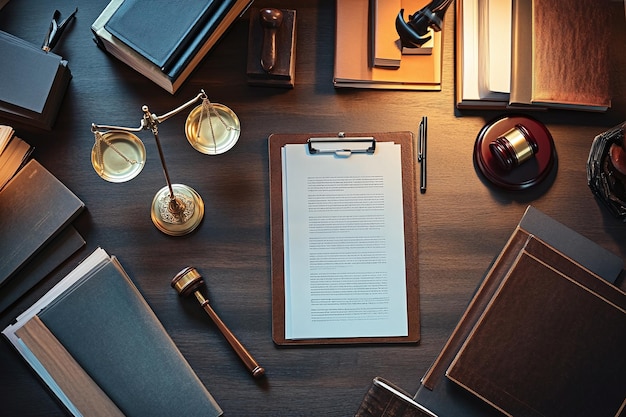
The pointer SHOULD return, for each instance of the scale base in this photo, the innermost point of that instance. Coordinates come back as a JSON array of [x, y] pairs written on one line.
[[178, 216]]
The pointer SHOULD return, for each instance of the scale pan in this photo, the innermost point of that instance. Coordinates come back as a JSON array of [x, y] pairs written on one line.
[[225, 126], [118, 156]]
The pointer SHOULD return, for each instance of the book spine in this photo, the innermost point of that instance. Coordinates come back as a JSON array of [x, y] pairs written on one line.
[[175, 67]]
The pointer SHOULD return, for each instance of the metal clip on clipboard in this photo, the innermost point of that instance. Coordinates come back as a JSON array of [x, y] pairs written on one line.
[[341, 145]]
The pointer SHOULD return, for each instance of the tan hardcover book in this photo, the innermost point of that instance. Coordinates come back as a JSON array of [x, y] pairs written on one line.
[[352, 69], [386, 51]]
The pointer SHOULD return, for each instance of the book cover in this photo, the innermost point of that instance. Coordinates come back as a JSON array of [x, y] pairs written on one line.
[[386, 51], [47, 76], [521, 53], [161, 29], [34, 207], [171, 76], [445, 397], [93, 338], [216, 23], [352, 63], [578, 75], [535, 352], [572, 244], [30, 67], [53, 254]]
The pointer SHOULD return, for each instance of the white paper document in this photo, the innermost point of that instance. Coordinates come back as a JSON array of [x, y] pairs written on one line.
[[344, 244]]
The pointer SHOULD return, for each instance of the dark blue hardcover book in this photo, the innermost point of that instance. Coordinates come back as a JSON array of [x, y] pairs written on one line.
[[175, 67], [107, 326], [161, 30]]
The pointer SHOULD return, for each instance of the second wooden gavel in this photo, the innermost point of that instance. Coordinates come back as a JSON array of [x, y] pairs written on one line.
[[187, 282]]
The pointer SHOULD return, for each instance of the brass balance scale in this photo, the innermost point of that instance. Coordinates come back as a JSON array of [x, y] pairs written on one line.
[[118, 155]]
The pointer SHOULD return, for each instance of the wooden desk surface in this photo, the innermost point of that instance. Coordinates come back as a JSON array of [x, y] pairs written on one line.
[[463, 221]]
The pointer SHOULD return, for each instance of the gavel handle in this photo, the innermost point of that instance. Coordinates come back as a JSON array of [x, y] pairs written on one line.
[[268, 53], [252, 365]]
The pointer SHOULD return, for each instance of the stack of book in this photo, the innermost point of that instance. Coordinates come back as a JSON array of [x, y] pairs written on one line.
[[164, 40], [368, 53], [532, 54], [32, 83], [14, 153], [36, 234], [542, 336], [112, 357]]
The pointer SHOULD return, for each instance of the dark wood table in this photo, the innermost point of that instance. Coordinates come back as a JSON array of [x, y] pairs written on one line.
[[463, 221]]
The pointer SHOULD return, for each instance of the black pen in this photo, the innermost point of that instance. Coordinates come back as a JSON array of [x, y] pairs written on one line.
[[56, 29], [421, 152]]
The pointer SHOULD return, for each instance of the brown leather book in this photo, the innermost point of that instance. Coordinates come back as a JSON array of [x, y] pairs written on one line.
[[549, 343], [441, 394], [560, 54]]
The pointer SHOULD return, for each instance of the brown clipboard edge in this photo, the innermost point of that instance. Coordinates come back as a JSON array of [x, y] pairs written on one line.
[[409, 195]]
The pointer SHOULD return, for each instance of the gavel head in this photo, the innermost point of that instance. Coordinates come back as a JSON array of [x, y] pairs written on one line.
[[514, 147], [187, 281]]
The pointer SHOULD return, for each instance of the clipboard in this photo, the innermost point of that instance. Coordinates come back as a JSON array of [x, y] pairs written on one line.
[[409, 195]]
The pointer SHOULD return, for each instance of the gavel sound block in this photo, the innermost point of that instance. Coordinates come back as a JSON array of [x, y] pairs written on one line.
[[272, 47], [188, 282]]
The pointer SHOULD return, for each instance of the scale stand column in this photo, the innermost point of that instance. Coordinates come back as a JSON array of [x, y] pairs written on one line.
[[177, 209]]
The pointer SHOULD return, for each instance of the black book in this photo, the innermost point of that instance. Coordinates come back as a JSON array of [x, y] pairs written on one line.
[[53, 254], [163, 40], [34, 207], [33, 85], [159, 29]]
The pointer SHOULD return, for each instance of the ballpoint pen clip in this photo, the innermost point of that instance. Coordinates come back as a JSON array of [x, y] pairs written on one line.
[[421, 152], [420, 142], [56, 29]]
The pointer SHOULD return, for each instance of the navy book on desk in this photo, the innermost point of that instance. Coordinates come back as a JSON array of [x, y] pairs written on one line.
[[97, 344], [32, 85], [164, 41], [34, 207], [159, 29]]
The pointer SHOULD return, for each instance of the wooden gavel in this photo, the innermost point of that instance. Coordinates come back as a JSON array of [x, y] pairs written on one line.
[[189, 281]]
